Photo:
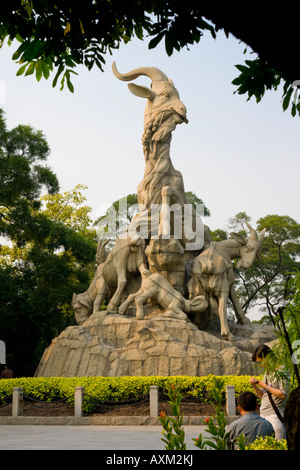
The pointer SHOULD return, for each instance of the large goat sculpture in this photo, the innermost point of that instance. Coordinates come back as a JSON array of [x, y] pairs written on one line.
[[163, 111], [213, 275]]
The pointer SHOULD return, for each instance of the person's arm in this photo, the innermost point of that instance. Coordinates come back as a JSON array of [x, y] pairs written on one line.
[[257, 390], [275, 391]]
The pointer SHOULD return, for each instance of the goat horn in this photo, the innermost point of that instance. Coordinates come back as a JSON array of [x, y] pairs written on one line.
[[261, 235], [151, 72], [253, 233]]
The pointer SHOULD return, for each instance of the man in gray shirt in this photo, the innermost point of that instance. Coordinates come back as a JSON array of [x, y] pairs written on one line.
[[251, 425]]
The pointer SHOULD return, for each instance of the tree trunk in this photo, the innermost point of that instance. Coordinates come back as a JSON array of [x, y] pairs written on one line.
[[292, 419]]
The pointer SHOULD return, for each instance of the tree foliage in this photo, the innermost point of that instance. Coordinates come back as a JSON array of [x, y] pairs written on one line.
[[47, 251], [55, 37], [193, 199], [285, 359], [256, 77], [23, 176]]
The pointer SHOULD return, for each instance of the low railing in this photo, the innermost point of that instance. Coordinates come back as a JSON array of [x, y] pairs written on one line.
[[18, 401]]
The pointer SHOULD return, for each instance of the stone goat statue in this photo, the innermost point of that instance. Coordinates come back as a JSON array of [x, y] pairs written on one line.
[[212, 273], [163, 111], [110, 279], [155, 286]]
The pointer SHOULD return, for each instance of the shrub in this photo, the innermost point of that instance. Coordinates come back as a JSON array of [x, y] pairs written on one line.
[[174, 434], [117, 389], [267, 443], [216, 425]]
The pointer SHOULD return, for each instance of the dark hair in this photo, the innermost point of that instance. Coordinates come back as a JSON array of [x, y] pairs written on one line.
[[247, 401], [260, 352]]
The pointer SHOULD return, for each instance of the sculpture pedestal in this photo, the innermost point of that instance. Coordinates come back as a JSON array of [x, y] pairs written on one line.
[[167, 257], [116, 345]]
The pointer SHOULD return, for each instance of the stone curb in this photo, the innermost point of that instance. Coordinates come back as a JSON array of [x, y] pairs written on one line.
[[98, 420]]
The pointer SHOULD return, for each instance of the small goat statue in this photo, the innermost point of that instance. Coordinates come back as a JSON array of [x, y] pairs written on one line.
[[213, 275], [154, 286]]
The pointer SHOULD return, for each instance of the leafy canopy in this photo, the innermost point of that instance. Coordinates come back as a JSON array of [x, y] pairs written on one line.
[[58, 36]]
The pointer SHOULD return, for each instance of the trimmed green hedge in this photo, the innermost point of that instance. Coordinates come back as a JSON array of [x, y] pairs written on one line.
[[115, 389]]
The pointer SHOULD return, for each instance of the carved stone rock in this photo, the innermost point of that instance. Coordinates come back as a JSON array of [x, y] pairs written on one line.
[[167, 258], [115, 345]]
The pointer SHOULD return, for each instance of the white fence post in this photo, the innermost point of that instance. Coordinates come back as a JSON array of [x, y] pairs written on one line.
[[154, 400], [17, 401], [79, 396], [230, 400]]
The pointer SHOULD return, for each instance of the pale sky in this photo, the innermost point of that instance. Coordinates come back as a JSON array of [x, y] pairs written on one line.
[[235, 155]]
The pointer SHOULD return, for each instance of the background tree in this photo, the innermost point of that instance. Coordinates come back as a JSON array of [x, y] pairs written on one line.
[[266, 283], [238, 223], [218, 235], [61, 35], [68, 209], [23, 177], [48, 254], [196, 201]]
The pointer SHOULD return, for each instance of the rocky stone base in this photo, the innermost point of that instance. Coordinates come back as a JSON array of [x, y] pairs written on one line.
[[115, 345]]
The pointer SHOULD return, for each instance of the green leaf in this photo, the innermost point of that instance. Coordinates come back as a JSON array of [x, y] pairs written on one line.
[[16, 54], [138, 29], [153, 43], [21, 70], [242, 68], [31, 49], [45, 69], [197, 36], [39, 70], [59, 71], [19, 38], [69, 83], [169, 44], [238, 80], [287, 98], [62, 83], [70, 61], [31, 68]]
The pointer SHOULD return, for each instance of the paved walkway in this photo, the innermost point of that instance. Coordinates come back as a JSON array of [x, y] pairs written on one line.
[[51, 437]]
